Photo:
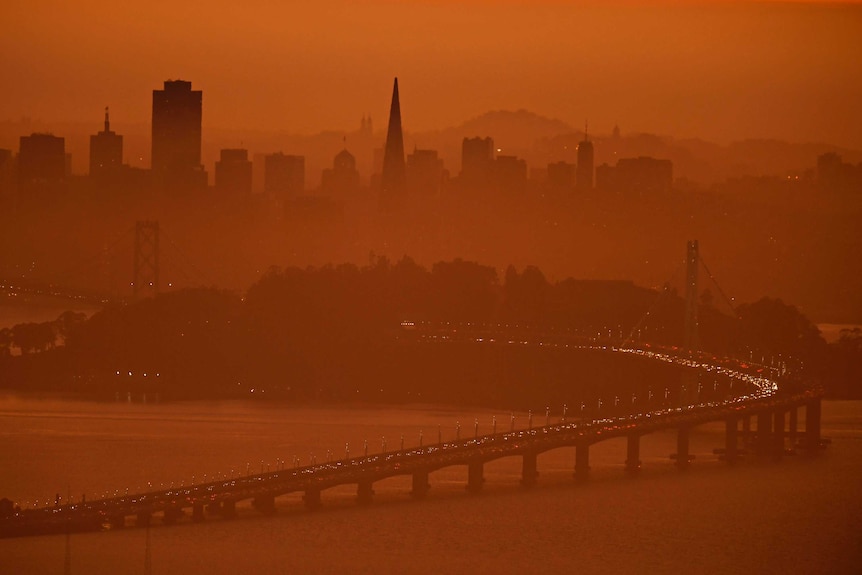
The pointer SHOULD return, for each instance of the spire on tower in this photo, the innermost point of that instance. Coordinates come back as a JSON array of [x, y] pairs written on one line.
[[393, 178], [107, 121]]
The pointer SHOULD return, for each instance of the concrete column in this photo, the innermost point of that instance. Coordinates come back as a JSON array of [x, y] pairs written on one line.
[[311, 498], [812, 425], [731, 440], [529, 469], [633, 453], [778, 433], [475, 477], [582, 461], [793, 426], [198, 512], [746, 429], [682, 454], [364, 492], [421, 485], [764, 433]]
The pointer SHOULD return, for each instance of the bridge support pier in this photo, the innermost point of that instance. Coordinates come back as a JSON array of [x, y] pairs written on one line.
[[529, 469], [118, 521], [793, 426], [198, 512], [171, 515], [764, 433], [731, 440], [475, 477], [683, 457], [778, 433], [746, 430], [633, 454], [582, 461], [311, 498], [812, 426], [264, 504], [421, 485], [365, 492]]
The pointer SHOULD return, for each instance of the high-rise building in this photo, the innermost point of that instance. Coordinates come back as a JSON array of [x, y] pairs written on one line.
[[477, 161], [233, 172], [425, 173], [636, 176], [510, 174], [584, 171], [393, 182], [106, 151], [176, 151], [284, 175], [41, 160], [343, 177]]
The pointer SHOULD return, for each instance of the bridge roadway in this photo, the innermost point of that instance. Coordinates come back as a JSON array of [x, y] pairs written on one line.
[[765, 402]]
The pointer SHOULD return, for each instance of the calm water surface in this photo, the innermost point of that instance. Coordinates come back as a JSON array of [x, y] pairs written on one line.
[[799, 515]]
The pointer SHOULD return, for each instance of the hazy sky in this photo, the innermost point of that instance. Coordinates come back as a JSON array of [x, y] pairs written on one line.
[[719, 70]]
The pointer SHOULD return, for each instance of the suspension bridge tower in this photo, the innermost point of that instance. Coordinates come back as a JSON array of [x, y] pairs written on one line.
[[692, 261], [690, 382], [146, 279]]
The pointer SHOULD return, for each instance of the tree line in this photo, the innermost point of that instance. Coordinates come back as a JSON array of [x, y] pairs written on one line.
[[347, 333]]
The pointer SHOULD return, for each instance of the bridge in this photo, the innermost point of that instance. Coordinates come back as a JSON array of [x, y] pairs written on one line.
[[771, 397], [771, 400]]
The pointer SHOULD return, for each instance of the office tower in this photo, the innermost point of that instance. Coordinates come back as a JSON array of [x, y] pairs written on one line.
[[393, 178], [425, 173], [176, 143], [106, 151], [284, 175], [233, 172], [477, 161], [636, 176], [584, 176], [343, 177], [41, 160], [510, 174]]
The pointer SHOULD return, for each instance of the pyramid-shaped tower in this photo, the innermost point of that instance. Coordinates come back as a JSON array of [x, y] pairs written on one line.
[[392, 180]]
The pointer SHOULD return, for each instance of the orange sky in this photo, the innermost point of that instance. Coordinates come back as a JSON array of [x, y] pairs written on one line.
[[718, 70]]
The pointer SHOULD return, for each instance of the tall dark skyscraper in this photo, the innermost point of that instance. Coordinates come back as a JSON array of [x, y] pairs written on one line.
[[584, 171], [393, 181], [477, 161], [41, 160], [176, 154], [106, 150]]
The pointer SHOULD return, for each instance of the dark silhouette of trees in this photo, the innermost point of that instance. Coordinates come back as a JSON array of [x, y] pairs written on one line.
[[336, 333], [33, 337], [769, 329]]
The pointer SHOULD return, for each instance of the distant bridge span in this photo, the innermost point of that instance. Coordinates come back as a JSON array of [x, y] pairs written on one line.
[[771, 407]]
